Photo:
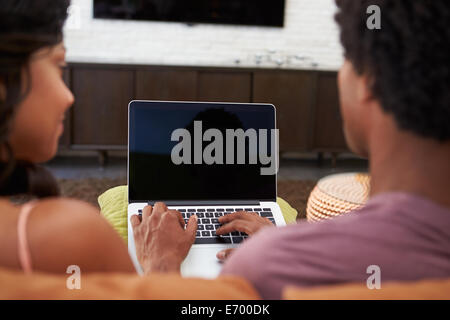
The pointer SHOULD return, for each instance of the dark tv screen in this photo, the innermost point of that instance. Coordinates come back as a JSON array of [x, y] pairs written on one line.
[[239, 12]]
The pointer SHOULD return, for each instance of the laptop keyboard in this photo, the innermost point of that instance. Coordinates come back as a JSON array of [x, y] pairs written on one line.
[[208, 223]]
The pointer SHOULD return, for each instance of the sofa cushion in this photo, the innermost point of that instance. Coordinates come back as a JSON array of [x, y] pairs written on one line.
[[425, 289], [17, 285]]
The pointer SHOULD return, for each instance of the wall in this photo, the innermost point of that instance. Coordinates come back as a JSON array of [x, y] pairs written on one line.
[[309, 39]]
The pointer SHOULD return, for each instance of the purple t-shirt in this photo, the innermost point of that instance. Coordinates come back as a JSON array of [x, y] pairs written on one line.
[[407, 236]]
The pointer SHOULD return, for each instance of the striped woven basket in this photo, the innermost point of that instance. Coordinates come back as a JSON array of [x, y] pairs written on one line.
[[337, 194]]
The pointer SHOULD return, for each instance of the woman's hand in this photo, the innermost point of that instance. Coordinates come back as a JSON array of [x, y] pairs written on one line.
[[161, 240], [247, 222]]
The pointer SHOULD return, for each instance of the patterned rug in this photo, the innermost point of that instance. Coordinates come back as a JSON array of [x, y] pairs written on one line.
[[295, 192]]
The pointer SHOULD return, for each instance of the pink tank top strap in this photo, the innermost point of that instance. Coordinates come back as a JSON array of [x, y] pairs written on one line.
[[23, 246]]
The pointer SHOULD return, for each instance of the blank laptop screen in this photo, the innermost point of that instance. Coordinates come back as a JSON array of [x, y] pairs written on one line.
[[173, 156]]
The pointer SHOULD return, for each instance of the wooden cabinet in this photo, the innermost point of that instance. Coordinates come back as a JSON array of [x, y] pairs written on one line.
[[292, 95], [166, 85], [328, 133], [306, 102], [224, 86], [101, 104]]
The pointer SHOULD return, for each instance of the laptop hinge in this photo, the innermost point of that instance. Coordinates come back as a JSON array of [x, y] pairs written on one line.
[[209, 203]]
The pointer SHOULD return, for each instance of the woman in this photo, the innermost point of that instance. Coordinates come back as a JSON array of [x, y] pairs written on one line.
[[52, 233]]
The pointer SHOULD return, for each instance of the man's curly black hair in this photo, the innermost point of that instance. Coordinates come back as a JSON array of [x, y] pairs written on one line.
[[407, 60]]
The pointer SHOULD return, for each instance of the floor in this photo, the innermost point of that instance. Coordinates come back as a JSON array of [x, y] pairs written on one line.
[[304, 168]]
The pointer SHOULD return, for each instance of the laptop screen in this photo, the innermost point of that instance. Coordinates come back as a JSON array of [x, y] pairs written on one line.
[[188, 151]]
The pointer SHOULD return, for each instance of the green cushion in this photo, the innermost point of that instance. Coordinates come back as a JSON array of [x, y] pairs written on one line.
[[114, 204]]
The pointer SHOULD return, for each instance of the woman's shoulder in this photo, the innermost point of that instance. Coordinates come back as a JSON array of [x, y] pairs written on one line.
[[64, 209], [65, 216], [49, 207], [68, 218], [53, 225], [69, 231], [62, 205]]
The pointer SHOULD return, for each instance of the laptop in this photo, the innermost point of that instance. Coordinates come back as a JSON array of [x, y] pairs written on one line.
[[203, 158]]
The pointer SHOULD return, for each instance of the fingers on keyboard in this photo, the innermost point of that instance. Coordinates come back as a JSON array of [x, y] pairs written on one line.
[[211, 219]]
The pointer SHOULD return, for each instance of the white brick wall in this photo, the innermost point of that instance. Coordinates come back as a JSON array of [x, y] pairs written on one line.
[[309, 31]]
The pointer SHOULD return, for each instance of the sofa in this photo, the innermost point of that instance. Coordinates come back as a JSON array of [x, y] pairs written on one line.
[[16, 285]]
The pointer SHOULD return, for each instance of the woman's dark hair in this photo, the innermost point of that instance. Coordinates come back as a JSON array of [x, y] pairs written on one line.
[[25, 27], [406, 61]]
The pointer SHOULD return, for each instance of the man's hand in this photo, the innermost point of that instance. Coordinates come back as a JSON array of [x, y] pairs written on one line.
[[247, 222], [161, 241]]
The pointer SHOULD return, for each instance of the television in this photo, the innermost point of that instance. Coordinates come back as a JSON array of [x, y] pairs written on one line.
[[268, 13]]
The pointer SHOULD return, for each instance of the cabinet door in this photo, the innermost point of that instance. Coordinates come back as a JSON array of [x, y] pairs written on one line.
[[101, 104], [224, 86], [328, 132], [166, 85], [291, 93]]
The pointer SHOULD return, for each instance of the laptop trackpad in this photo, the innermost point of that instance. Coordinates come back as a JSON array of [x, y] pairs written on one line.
[[202, 262]]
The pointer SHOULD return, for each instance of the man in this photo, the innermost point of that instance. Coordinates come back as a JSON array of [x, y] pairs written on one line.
[[395, 102]]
